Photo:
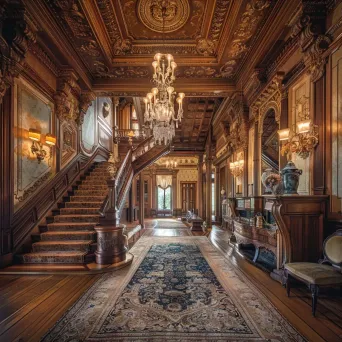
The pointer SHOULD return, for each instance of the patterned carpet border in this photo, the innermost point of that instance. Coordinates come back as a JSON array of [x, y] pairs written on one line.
[[83, 321]]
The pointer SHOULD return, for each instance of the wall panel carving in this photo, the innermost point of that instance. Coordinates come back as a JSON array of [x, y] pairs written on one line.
[[32, 111], [68, 142]]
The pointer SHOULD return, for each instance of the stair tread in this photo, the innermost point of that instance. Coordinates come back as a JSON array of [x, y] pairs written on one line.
[[61, 224], [76, 232], [77, 215], [64, 242], [68, 253]]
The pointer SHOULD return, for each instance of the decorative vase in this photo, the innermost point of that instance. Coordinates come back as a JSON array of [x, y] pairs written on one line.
[[290, 175], [265, 174]]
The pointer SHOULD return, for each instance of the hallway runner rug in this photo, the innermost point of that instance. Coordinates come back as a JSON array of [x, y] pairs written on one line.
[[177, 289], [169, 224]]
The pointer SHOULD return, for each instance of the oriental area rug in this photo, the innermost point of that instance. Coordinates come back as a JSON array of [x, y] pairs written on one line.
[[176, 289]]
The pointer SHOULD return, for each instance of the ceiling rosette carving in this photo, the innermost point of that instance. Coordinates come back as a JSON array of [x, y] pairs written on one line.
[[176, 15]]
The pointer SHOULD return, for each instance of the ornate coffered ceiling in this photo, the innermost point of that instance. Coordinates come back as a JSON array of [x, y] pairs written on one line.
[[116, 39]]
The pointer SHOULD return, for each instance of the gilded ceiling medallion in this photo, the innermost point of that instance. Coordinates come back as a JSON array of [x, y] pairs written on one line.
[[150, 13]]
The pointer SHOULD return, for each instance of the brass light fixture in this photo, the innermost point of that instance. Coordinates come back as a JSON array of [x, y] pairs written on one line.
[[171, 164], [37, 146], [236, 167], [302, 140]]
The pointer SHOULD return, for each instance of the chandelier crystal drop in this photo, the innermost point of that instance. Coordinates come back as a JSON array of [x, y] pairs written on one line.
[[160, 114]]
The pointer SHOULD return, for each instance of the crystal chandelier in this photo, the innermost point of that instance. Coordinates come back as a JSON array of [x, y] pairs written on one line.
[[159, 103], [160, 112]]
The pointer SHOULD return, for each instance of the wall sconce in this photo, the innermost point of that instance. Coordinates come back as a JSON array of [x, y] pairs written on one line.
[[236, 168], [304, 139], [171, 164], [37, 146]]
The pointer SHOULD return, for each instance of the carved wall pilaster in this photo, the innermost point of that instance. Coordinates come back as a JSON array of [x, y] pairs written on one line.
[[17, 33], [310, 28]]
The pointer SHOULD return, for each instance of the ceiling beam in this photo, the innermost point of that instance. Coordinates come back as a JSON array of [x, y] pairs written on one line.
[[219, 87]]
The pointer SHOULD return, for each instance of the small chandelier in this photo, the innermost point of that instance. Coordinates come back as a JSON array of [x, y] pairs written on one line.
[[236, 168], [160, 112], [171, 164]]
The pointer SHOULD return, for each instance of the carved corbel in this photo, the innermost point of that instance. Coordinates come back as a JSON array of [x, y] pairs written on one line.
[[85, 102], [312, 38], [314, 57], [18, 32], [67, 91]]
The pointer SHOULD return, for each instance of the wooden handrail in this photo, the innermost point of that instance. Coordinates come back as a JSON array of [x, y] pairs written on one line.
[[142, 143], [122, 166]]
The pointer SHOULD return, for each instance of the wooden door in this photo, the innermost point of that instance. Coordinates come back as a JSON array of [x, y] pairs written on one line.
[[188, 191]]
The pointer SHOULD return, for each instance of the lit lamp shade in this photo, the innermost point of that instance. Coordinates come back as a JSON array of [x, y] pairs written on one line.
[[241, 162], [232, 166], [50, 139], [284, 134], [303, 126], [34, 134]]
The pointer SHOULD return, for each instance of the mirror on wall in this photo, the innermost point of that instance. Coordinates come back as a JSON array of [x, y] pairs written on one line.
[[269, 144]]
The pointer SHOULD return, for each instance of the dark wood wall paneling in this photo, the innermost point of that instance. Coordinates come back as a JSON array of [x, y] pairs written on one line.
[[26, 218], [5, 175], [15, 227]]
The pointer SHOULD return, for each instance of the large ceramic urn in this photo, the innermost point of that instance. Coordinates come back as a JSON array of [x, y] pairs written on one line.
[[290, 175]]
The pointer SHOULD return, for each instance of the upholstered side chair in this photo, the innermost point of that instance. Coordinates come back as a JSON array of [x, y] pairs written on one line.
[[320, 274]]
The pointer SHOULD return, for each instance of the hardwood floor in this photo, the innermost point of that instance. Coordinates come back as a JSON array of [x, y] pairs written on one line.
[[327, 326], [31, 305]]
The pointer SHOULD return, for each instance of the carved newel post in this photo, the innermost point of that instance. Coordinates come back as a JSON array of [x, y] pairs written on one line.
[[111, 242]]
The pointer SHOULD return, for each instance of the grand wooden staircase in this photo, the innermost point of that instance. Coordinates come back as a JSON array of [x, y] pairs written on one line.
[[68, 235]]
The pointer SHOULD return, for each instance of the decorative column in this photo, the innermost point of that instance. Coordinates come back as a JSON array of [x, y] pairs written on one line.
[[141, 202], [217, 195], [245, 173], [208, 193], [174, 189], [200, 186], [154, 189], [283, 123], [319, 119], [256, 160]]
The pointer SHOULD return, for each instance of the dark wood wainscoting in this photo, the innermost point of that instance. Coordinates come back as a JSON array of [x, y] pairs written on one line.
[[21, 223]]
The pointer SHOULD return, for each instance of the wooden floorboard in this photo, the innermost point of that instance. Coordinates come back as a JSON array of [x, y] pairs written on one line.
[[31, 305], [296, 308]]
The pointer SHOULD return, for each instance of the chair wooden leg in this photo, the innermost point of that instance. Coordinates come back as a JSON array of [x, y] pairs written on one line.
[[314, 292], [288, 286]]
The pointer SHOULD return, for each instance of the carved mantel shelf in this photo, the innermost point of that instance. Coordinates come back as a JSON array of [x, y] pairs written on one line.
[[300, 221]]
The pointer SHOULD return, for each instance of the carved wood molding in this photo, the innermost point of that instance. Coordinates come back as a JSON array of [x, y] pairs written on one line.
[[17, 33], [313, 40], [233, 121], [269, 98], [71, 103]]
